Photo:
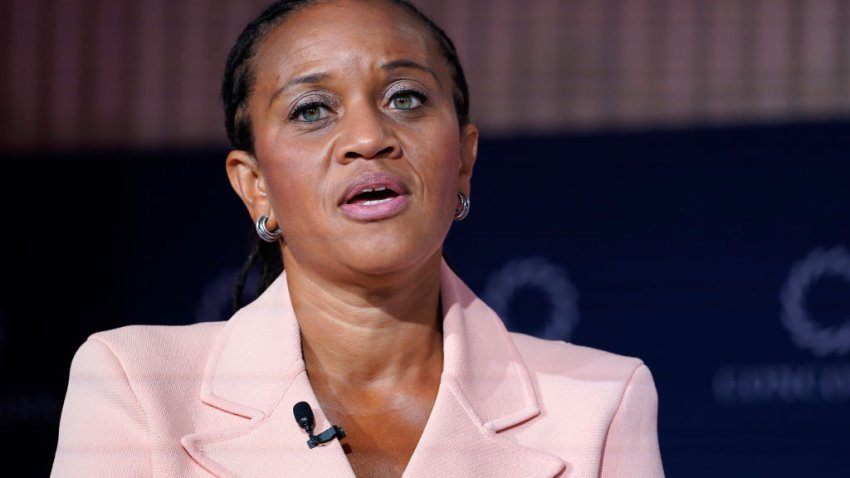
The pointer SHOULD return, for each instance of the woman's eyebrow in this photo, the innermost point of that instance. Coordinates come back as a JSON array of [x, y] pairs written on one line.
[[298, 80], [405, 63], [318, 77]]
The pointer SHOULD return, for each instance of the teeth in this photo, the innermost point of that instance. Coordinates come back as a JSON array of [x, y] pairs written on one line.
[[375, 190], [377, 201]]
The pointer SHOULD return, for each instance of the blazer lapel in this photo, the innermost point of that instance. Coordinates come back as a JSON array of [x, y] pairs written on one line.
[[254, 376], [485, 389]]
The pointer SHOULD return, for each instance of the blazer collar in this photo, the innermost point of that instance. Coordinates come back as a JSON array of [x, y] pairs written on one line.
[[255, 374]]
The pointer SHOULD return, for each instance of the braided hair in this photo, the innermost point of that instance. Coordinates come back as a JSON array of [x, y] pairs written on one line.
[[236, 88]]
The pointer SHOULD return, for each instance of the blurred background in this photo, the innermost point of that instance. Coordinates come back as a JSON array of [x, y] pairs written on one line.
[[660, 178]]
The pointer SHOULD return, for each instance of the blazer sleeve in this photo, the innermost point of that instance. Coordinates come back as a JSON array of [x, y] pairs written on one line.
[[102, 430], [631, 445]]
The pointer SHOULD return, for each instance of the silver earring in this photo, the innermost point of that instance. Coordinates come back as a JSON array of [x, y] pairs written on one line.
[[463, 210], [264, 233]]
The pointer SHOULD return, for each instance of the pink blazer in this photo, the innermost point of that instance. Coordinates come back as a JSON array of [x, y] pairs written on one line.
[[215, 399]]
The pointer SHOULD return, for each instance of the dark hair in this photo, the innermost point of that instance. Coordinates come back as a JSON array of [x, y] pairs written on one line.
[[236, 88]]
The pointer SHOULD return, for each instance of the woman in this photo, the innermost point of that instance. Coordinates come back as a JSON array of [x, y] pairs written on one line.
[[353, 152]]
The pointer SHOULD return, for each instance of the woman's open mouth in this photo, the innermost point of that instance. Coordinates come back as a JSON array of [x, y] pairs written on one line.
[[374, 196], [370, 197]]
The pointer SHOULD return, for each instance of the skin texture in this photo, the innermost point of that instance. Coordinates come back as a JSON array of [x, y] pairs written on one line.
[[366, 292]]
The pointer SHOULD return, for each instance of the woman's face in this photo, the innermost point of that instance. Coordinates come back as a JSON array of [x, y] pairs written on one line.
[[359, 157]]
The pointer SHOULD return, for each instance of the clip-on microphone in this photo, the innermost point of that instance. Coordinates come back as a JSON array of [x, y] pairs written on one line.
[[304, 417]]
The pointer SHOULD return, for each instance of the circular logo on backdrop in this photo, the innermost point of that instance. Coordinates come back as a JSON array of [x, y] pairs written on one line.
[[541, 275], [822, 340]]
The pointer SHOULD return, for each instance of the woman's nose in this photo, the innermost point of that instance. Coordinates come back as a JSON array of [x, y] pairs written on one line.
[[367, 134]]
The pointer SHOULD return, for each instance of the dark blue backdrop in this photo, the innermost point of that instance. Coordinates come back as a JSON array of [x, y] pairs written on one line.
[[719, 256]]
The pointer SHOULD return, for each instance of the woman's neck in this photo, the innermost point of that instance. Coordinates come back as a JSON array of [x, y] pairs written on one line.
[[373, 338]]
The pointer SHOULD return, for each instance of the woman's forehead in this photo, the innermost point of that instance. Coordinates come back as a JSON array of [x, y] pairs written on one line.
[[340, 32]]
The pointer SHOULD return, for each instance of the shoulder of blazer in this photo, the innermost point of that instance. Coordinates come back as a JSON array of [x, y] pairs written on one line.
[[598, 410], [556, 358], [151, 347]]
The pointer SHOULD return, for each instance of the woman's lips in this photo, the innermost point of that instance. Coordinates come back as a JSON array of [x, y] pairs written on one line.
[[374, 196]]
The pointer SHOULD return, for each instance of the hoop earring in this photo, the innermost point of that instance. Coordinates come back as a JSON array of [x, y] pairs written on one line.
[[264, 233], [463, 210]]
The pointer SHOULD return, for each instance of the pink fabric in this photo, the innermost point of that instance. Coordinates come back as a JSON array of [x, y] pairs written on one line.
[[216, 399]]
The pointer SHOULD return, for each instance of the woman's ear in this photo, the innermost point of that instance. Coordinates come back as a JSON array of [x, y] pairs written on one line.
[[468, 154], [248, 181]]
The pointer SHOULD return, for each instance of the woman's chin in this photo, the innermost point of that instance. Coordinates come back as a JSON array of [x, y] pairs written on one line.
[[374, 249], [383, 255], [388, 260]]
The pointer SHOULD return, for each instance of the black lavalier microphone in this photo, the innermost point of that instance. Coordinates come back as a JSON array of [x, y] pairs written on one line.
[[306, 420]]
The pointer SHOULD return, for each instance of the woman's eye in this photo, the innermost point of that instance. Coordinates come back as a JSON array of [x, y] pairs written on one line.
[[309, 113], [407, 100], [313, 113]]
